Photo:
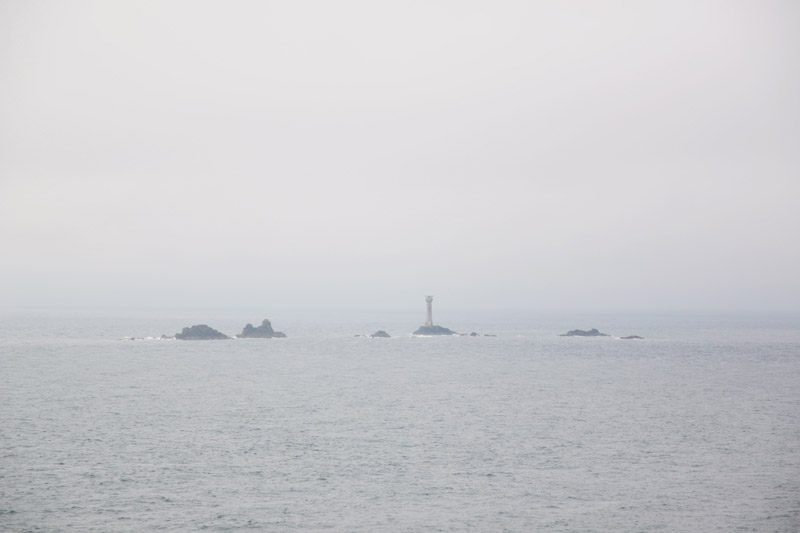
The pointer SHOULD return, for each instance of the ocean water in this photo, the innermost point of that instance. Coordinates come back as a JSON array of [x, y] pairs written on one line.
[[694, 428]]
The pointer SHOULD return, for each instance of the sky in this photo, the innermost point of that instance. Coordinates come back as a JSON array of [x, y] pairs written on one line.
[[523, 155]]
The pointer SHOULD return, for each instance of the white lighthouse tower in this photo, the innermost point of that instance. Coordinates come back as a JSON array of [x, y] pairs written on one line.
[[428, 311]]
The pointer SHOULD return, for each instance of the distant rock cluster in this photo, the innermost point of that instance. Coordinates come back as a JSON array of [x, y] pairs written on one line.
[[265, 331], [202, 332], [593, 333], [583, 333]]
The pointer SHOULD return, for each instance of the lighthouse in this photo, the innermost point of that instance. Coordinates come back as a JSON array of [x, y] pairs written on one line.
[[428, 311], [429, 329]]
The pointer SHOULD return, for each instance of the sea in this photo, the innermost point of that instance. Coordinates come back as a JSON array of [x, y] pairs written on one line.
[[104, 427]]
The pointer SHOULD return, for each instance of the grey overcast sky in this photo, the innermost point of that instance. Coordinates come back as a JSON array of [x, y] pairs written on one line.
[[586, 155]]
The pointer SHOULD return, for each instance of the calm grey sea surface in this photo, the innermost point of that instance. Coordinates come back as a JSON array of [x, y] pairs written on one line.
[[695, 428]]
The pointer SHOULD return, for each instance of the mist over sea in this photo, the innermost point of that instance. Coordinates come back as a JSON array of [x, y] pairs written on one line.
[[694, 428]]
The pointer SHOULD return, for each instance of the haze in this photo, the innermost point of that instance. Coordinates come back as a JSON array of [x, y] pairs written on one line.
[[591, 155]]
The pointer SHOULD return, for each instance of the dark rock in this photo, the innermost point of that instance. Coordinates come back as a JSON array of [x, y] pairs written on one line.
[[632, 337], [381, 334], [473, 334], [489, 335], [264, 331], [434, 330], [200, 332], [582, 333]]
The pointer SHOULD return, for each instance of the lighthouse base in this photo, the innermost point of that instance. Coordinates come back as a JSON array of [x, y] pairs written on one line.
[[434, 330]]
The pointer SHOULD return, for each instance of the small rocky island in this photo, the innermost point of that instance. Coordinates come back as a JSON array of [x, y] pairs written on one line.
[[264, 331], [583, 333], [200, 332], [380, 334], [629, 337]]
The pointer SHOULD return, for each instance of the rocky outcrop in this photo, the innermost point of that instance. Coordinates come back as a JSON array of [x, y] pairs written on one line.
[[582, 333], [632, 337], [380, 334], [200, 332], [434, 330], [264, 331]]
